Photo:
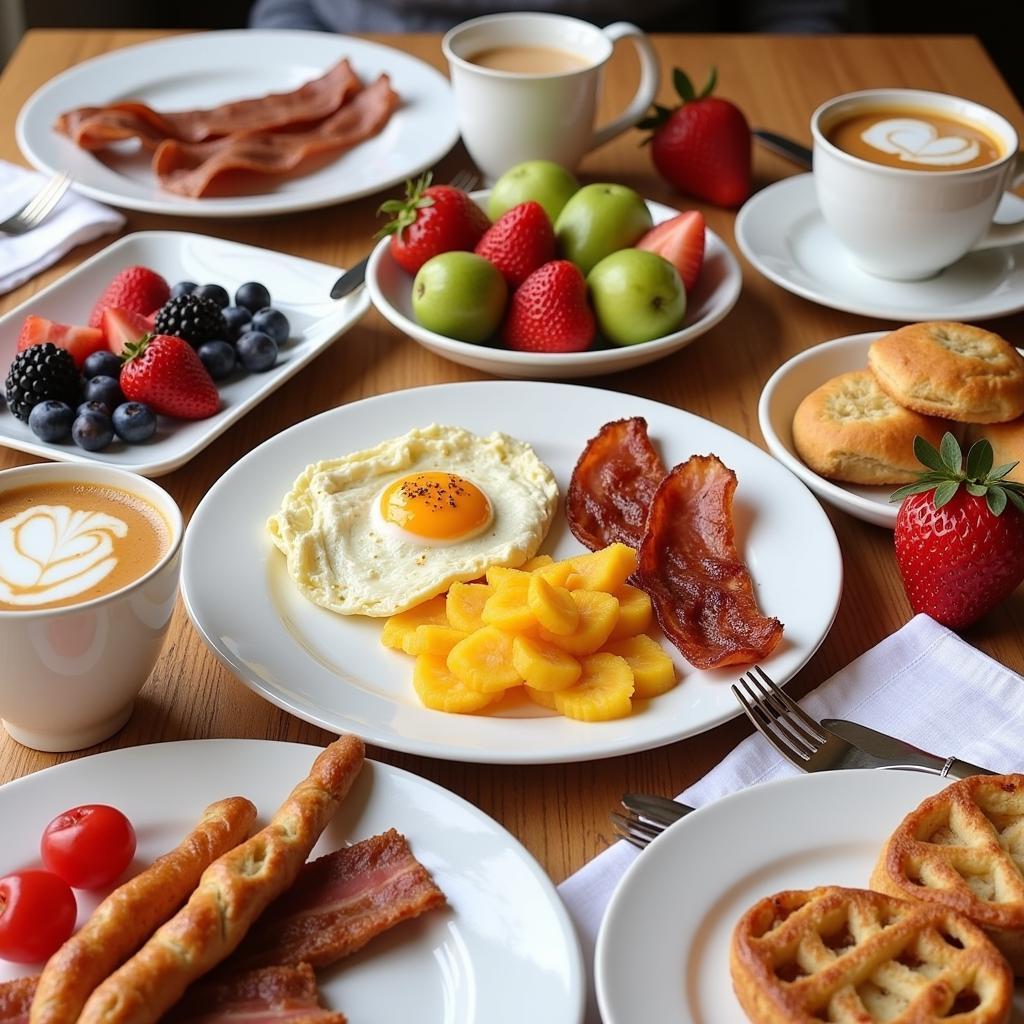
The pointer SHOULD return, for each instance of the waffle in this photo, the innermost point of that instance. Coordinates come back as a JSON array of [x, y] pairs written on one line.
[[852, 956], [964, 848]]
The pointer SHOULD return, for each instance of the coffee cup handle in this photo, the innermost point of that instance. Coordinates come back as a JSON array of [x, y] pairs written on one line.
[[999, 235], [650, 71]]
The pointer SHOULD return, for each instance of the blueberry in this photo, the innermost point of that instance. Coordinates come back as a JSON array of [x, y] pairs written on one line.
[[253, 296], [134, 422], [218, 357], [183, 288], [237, 318], [257, 351], [51, 420], [92, 431], [102, 364], [103, 389], [215, 292], [100, 407], [273, 322]]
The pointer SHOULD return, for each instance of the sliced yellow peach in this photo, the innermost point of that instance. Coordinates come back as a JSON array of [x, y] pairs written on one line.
[[635, 612], [544, 698], [498, 574], [598, 615], [430, 639], [466, 603], [605, 570], [555, 573], [602, 692], [653, 671], [440, 690], [483, 661], [552, 607], [429, 613], [543, 666], [509, 607], [536, 562]]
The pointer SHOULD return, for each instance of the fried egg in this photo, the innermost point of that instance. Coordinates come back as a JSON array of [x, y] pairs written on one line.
[[381, 530]]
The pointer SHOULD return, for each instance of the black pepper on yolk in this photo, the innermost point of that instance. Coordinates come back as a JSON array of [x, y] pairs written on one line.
[[436, 506]]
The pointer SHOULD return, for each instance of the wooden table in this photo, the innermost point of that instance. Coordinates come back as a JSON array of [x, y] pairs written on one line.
[[561, 812]]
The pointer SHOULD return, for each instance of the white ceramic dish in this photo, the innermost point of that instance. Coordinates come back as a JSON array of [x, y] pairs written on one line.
[[715, 294], [333, 670], [781, 231], [786, 389], [206, 69], [663, 948], [504, 949], [298, 287]]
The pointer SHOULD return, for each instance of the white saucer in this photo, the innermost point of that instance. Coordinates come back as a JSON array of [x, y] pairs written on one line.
[[781, 231]]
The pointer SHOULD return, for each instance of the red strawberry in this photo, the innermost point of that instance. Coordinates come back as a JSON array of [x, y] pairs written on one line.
[[960, 550], [680, 241], [702, 147], [167, 375], [549, 311], [518, 242], [81, 342], [431, 219], [122, 327], [136, 289]]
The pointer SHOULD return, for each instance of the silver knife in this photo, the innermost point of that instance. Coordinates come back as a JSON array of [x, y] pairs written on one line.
[[788, 148], [350, 280], [898, 753]]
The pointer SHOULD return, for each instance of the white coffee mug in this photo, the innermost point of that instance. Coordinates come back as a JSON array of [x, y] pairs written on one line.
[[507, 117], [69, 675], [906, 224]]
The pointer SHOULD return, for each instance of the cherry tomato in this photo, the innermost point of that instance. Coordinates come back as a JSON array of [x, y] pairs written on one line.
[[37, 915], [88, 846]]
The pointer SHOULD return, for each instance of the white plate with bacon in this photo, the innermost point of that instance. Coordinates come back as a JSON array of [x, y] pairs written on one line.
[[333, 670], [309, 132], [501, 948]]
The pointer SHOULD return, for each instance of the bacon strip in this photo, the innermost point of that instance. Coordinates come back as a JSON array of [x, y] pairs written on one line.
[[613, 485], [15, 1000], [341, 901], [700, 587], [95, 127]]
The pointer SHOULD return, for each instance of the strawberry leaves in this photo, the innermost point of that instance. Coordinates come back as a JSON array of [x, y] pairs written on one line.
[[684, 87], [404, 211]]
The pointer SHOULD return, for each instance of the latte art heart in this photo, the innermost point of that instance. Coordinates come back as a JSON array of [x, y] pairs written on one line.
[[918, 142]]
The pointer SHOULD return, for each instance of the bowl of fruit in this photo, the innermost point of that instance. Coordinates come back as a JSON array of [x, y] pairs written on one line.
[[538, 277]]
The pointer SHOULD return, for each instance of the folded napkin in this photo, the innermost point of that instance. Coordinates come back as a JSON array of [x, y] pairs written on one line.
[[74, 221], [923, 684]]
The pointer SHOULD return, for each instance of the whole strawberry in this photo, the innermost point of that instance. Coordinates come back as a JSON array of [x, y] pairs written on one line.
[[959, 533], [702, 147], [431, 219], [518, 242], [549, 311], [136, 289], [166, 374]]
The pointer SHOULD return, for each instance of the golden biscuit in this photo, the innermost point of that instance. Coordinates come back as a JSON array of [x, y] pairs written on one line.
[[850, 429], [1007, 441], [951, 370]]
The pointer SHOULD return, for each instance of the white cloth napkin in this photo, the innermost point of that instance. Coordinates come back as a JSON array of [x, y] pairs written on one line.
[[923, 684], [74, 221]]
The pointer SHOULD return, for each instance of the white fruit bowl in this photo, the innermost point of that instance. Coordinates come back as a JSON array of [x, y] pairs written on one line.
[[716, 292]]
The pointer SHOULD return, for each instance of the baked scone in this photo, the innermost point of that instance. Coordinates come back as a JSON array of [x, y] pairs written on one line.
[[854, 956], [1007, 441], [951, 370], [964, 849], [850, 429]]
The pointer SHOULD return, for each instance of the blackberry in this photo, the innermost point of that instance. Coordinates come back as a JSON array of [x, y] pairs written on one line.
[[192, 317], [39, 373]]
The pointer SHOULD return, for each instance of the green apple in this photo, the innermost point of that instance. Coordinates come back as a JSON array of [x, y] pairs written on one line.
[[598, 220], [543, 181], [460, 295], [637, 296]]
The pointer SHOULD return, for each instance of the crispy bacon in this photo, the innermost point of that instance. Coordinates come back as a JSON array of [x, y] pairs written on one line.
[[341, 901], [15, 1000], [613, 485], [699, 585]]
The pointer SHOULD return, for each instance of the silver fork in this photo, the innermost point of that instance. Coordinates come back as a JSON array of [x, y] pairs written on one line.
[[38, 208], [646, 817]]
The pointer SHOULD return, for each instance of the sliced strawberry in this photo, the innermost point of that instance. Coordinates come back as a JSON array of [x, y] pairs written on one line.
[[166, 374], [680, 241], [137, 289], [122, 327], [80, 342]]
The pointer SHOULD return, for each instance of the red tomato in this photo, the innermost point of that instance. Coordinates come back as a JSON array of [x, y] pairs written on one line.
[[88, 846], [37, 915]]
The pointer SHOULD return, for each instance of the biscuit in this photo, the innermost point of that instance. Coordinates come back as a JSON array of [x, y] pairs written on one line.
[[951, 370], [849, 429], [1007, 440]]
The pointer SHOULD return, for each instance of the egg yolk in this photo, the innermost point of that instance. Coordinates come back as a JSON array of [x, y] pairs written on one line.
[[436, 506]]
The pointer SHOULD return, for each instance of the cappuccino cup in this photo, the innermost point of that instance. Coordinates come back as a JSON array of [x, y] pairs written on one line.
[[909, 181], [89, 565], [526, 87]]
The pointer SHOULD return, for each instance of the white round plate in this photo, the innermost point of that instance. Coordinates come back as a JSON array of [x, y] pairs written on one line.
[[786, 389], [781, 231], [713, 297], [332, 670], [201, 70], [504, 949], [663, 948]]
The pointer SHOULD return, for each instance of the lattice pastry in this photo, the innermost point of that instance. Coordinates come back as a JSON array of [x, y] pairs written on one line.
[[964, 848], [852, 956]]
